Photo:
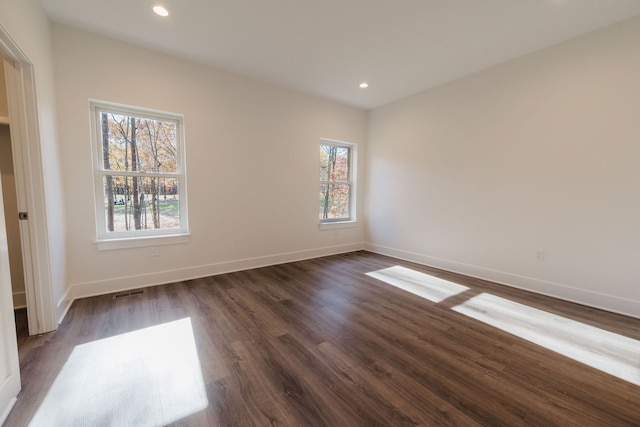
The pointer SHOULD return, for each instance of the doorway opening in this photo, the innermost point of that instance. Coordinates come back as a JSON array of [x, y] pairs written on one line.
[[29, 184], [10, 201]]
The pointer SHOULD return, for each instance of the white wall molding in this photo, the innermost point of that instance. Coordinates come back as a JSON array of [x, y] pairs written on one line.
[[5, 411], [64, 304], [597, 300], [84, 290], [556, 290]]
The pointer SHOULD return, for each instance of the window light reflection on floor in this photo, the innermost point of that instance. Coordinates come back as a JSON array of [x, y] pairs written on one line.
[[147, 377], [603, 350], [424, 285]]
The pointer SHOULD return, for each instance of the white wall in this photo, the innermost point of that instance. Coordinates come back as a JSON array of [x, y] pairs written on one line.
[[28, 27], [252, 163], [540, 153]]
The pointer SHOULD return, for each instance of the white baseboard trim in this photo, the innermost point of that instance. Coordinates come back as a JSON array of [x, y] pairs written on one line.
[[5, 412], [19, 300], [101, 287], [597, 300], [64, 305]]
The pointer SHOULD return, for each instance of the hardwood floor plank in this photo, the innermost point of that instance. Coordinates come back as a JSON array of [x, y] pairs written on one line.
[[315, 343], [435, 370], [265, 403]]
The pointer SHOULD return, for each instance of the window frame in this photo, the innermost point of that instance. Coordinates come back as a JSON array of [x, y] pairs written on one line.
[[106, 240], [330, 223]]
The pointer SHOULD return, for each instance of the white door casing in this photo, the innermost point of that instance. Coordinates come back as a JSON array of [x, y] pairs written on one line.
[[28, 168], [9, 365]]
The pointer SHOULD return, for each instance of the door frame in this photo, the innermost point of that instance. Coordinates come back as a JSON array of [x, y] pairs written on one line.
[[28, 169], [9, 382]]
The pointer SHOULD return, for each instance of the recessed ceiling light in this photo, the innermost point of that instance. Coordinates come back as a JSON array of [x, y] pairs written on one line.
[[160, 10], [364, 85]]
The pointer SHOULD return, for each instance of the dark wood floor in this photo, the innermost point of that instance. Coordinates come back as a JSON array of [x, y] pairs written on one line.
[[22, 325], [318, 343]]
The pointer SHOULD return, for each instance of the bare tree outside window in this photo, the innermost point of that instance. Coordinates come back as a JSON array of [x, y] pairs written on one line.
[[335, 182]]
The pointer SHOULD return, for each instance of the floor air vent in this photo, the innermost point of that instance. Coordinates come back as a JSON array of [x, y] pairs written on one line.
[[128, 294]]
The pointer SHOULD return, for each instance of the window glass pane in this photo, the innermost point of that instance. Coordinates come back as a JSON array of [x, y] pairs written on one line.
[[334, 163], [334, 201], [138, 144], [141, 203]]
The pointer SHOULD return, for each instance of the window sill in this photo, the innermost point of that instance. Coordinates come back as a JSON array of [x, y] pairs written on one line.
[[140, 242], [337, 224]]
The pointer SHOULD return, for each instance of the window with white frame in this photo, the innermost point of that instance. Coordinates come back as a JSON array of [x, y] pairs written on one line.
[[337, 186], [139, 169]]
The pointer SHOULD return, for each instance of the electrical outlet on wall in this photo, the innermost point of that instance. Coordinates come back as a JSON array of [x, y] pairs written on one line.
[[539, 255], [154, 251]]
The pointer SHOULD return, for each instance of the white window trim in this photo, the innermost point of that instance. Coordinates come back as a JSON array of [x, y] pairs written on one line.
[[332, 223], [337, 224], [136, 238], [139, 242]]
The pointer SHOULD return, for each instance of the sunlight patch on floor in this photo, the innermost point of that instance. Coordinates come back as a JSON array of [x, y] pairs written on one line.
[[148, 377], [424, 285], [603, 350]]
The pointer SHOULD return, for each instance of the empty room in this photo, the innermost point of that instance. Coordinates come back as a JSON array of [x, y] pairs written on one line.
[[339, 213]]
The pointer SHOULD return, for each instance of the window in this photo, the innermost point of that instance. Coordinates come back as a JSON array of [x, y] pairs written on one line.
[[140, 185], [337, 187]]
